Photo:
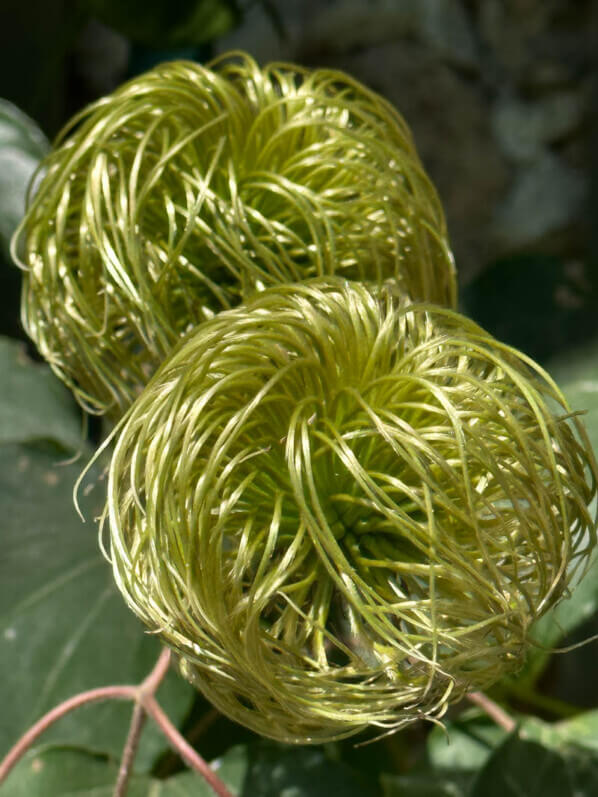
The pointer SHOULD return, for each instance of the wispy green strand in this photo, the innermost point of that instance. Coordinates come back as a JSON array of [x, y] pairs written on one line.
[[343, 510], [191, 188]]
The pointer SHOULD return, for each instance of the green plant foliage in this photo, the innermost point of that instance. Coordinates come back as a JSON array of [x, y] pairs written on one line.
[[63, 628], [577, 375], [521, 768], [79, 773], [22, 146], [275, 770], [62, 624], [429, 784], [464, 743], [467, 743], [549, 630], [256, 770], [580, 731], [33, 403], [20, 131], [166, 23]]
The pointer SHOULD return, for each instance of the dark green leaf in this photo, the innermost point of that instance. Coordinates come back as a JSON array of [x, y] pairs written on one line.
[[280, 771], [63, 627], [33, 403], [262, 770], [473, 738], [433, 784], [577, 376], [18, 130], [465, 743], [22, 145], [158, 23], [64, 772], [231, 768], [521, 768], [535, 302], [555, 624]]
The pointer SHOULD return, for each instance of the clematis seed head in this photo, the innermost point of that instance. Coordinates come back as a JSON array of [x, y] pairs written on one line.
[[191, 188], [341, 509]]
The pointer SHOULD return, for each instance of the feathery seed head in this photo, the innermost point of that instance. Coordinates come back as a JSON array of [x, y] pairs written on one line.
[[190, 188], [342, 509]]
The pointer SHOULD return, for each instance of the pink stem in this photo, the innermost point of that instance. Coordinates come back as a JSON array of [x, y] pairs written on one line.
[[493, 710], [92, 696], [183, 748], [154, 679], [130, 751], [148, 686], [143, 695]]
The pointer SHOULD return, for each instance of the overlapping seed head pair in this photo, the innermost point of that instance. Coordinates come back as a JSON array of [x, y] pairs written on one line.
[[341, 503]]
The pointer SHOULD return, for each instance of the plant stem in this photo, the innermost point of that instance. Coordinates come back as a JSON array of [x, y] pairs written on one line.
[[190, 756], [148, 687], [82, 699], [145, 703], [493, 710], [130, 750], [156, 676]]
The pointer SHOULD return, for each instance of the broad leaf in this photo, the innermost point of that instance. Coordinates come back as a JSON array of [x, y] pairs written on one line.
[[465, 743], [577, 376], [33, 403], [581, 731], [19, 130], [56, 772], [63, 626], [276, 770], [550, 629], [521, 768], [433, 784], [259, 770], [473, 738], [22, 146]]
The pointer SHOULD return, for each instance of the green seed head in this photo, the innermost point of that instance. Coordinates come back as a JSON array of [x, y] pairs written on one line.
[[342, 510], [191, 188]]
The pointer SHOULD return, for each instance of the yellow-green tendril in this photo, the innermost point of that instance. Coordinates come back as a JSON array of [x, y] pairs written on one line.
[[191, 188], [342, 510]]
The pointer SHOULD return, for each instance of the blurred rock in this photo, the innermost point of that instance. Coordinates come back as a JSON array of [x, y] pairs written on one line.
[[545, 196], [344, 26], [559, 59], [444, 26], [536, 43], [351, 25], [495, 91], [522, 129]]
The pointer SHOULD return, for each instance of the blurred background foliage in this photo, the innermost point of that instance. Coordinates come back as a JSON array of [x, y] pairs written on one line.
[[501, 97]]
